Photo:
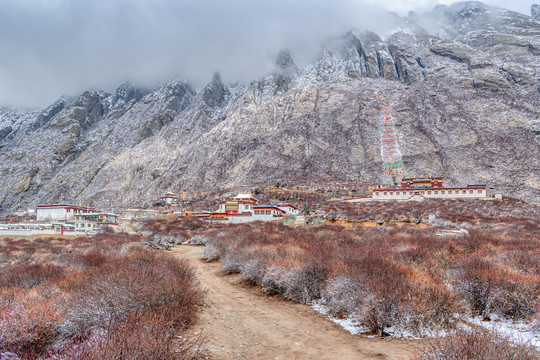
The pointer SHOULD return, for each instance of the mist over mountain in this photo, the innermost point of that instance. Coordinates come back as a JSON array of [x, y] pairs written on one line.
[[464, 80], [62, 47]]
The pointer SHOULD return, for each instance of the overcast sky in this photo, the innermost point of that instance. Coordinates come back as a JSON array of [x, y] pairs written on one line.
[[50, 48]]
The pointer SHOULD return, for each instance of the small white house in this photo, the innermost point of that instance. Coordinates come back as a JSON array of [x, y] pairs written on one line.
[[289, 209]]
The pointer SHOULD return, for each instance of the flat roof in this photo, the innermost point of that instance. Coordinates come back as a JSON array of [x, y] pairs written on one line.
[[468, 187], [66, 206]]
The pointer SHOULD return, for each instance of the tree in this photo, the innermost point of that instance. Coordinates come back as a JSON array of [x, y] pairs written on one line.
[[306, 209]]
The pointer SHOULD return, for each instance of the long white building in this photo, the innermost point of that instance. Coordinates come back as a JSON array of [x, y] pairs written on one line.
[[60, 212], [428, 188]]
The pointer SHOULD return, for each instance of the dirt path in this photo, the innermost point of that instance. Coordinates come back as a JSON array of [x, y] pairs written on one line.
[[241, 322]]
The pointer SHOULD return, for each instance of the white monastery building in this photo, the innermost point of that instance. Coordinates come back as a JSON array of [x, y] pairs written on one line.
[[244, 208], [428, 188], [61, 212]]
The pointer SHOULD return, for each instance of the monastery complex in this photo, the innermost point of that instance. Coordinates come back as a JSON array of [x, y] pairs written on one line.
[[428, 188]]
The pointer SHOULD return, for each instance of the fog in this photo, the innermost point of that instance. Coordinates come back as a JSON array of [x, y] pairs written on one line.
[[51, 48]]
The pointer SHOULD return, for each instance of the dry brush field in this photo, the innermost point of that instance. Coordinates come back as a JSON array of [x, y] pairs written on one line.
[[101, 297], [391, 280]]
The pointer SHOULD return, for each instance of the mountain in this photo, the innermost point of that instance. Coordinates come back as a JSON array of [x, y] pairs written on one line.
[[464, 81]]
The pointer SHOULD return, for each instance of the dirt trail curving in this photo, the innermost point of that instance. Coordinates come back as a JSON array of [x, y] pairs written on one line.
[[241, 322]]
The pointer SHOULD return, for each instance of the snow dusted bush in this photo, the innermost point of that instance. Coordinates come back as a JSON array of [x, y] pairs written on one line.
[[253, 271], [391, 279], [490, 290], [343, 295], [233, 261], [28, 325], [271, 282], [133, 283], [143, 336], [198, 240], [474, 344], [110, 298], [214, 250]]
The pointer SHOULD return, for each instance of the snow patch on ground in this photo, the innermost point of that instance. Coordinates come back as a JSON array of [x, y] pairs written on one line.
[[349, 323], [353, 326], [517, 331]]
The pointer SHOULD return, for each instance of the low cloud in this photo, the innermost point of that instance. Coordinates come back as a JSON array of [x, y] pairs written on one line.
[[55, 47]]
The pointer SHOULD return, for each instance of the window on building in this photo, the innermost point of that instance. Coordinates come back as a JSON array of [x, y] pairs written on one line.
[[464, 192], [268, 212], [391, 193], [429, 192], [385, 193], [470, 191], [449, 191], [436, 192]]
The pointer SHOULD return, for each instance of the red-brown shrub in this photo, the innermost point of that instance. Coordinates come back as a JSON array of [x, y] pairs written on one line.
[[28, 325], [111, 299], [476, 345], [29, 275], [147, 335]]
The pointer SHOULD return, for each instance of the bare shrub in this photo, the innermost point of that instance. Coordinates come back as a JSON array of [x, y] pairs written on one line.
[[92, 258], [149, 335], [138, 281], [29, 275], [478, 278], [474, 344], [492, 290], [233, 261], [27, 326], [215, 249], [430, 307], [253, 271], [272, 280], [343, 294]]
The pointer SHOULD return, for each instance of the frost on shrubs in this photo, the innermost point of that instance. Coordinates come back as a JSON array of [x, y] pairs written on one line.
[[233, 261], [144, 336], [139, 281], [285, 281], [271, 282], [474, 344], [215, 249], [199, 240], [490, 290], [27, 326], [253, 271], [343, 295], [290, 283]]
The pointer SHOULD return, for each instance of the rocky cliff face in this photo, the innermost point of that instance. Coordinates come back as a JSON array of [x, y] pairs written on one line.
[[463, 79]]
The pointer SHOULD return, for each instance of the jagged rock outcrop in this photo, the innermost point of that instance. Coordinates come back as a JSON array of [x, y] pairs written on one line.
[[535, 12], [463, 80]]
